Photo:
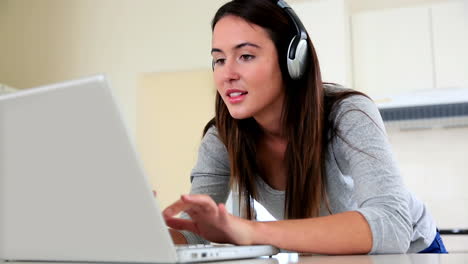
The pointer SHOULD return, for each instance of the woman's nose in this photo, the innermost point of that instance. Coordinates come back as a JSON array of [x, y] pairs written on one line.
[[230, 71]]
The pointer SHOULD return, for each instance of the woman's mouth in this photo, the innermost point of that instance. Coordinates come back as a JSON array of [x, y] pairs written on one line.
[[236, 96]]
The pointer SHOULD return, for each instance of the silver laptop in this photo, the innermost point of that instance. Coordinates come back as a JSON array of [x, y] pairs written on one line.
[[72, 187]]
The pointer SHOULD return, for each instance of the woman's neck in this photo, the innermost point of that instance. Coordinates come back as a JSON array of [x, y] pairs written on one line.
[[272, 127]]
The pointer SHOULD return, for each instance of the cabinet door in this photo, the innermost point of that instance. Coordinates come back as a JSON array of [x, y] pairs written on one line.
[[450, 27], [392, 51], [328, 26]]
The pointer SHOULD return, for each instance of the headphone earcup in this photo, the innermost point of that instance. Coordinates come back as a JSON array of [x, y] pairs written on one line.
[[297, 64]]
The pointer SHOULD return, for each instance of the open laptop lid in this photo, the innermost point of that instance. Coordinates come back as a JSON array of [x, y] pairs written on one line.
[[72, 186]]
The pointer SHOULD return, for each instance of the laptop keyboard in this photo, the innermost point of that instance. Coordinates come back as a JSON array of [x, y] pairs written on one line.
[[195, 246]]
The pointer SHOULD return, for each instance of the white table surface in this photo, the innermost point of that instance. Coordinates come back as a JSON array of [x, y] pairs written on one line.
[[284, 258]]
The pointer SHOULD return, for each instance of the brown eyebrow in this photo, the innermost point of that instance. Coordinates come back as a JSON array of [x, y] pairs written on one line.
[[238, 46]]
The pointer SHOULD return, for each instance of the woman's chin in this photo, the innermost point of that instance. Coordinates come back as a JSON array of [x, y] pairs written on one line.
[[239, 115]]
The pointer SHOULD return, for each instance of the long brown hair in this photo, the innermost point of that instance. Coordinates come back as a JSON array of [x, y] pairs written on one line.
[[306, 121]]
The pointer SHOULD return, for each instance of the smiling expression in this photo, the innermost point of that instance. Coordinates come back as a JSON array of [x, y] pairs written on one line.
[[246, 70]]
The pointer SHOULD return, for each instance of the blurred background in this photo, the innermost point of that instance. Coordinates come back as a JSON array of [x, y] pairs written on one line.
[[410, 56]]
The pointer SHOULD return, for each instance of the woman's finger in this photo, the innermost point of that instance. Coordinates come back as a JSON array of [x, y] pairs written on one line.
[[192, 212], [176, 208], [181, 224], [193, 205], [202, 202]]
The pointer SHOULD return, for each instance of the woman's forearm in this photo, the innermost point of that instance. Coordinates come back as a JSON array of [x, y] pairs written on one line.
[[344, 233]]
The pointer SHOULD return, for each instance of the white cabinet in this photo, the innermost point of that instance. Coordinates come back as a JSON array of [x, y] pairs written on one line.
[[406, 49], [392, 51], [327, 22], [450, 31]]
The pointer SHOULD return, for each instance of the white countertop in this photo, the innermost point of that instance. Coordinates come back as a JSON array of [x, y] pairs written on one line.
[[285, 258]]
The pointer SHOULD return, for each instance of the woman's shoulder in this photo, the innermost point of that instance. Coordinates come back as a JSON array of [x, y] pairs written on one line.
[[212, 145], [353, 100], [212, 155], [354, 107], [212, 136]]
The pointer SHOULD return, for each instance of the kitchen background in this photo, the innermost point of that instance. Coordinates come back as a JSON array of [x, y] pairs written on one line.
[[156, 55]]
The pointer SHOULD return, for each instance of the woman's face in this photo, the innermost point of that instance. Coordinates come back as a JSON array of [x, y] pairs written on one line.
[[246, 70]]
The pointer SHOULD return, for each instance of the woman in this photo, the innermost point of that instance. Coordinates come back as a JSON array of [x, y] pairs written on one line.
[[315, 155]]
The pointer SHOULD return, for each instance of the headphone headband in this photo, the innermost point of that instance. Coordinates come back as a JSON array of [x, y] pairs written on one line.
[[300, 29]]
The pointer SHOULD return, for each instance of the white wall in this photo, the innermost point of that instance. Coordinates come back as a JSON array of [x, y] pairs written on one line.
[[433, 164], [170, 122], [52, 40]]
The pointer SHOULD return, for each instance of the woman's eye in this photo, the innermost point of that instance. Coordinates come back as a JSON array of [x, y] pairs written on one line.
[[219, 61], [247, 57]]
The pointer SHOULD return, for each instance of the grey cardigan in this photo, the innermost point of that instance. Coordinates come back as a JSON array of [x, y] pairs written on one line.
[[372, 186]]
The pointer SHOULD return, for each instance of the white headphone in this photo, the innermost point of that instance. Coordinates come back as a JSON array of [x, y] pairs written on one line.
[[297, 56]]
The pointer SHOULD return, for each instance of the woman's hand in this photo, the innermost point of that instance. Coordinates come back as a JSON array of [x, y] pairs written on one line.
[[209, 220], [176, 236]]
